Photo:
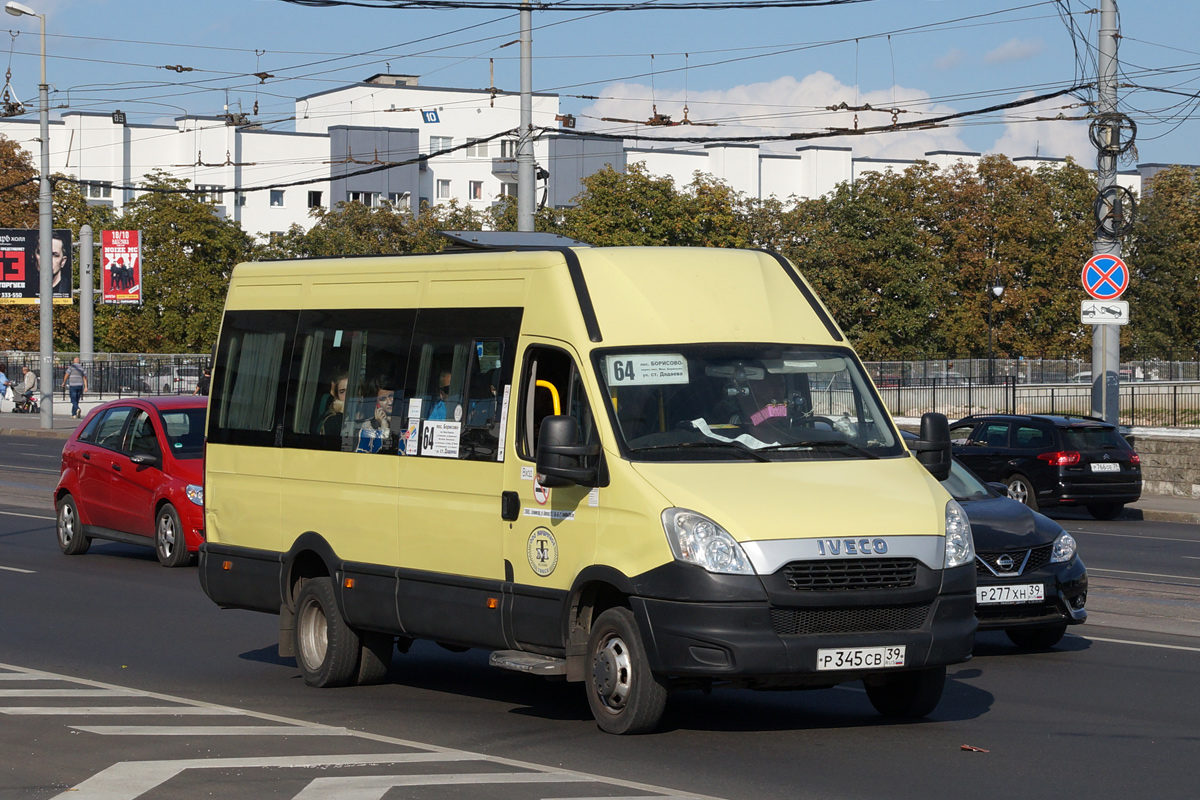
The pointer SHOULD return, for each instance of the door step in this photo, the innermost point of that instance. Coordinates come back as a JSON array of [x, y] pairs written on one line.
[[534, 664]]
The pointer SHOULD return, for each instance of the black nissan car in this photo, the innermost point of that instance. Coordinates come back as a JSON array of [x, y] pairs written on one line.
[[1048, 461], [1030, 581]]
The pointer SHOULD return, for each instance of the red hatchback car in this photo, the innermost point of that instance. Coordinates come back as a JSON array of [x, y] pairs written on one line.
[[133, 472]]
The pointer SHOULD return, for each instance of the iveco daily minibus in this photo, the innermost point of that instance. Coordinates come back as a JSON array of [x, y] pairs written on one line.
[[641, 469]]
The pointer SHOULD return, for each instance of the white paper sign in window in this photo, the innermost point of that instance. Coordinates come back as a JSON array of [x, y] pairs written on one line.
[[646, 370], [440, 438]]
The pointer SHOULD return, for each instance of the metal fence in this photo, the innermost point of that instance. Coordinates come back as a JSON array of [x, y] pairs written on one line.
[[950, 370], [113, 375], [1158, 404]]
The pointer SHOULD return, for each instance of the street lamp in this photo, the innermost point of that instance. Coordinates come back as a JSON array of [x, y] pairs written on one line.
[[997, 293], [45, 235]]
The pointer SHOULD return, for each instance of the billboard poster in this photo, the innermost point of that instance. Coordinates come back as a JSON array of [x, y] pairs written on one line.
[[121, 267], [20, 261]]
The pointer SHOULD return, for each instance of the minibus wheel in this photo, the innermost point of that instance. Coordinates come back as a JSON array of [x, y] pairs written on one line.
[[624, 695], [906, 694], [327, 650]]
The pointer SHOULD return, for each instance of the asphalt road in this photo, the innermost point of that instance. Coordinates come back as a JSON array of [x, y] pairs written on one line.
[[1111, 712]]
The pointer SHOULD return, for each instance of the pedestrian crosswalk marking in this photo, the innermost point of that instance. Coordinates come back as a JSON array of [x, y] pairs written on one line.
[[210, 730], [92, 711], [70, 693], [374, 787]]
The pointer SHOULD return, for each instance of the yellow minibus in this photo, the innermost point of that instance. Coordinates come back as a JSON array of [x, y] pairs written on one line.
[[641, 469]]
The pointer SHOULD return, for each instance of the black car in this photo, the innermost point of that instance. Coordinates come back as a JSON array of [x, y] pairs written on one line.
[[1030, 581], [1049, 461]]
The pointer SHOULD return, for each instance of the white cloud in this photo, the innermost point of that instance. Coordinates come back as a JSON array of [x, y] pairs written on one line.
[[1015, 50], [779, 107], [1027, 135], [950, 60]]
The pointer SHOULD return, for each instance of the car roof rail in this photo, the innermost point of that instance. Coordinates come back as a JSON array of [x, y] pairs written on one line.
[[509, 240]]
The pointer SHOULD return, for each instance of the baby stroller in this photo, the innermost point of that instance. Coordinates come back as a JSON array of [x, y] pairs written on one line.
[[25, 404]]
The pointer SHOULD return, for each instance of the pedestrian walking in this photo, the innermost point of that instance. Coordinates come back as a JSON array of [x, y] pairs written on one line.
[[75, 382]]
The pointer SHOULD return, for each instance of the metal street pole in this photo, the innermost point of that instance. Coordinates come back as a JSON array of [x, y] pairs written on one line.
[[45, 236], [86, 298], [525, 167], [1106, 339]]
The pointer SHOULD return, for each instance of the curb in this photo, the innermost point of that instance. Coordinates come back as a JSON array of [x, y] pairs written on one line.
[[1158, 515], [39, 433]]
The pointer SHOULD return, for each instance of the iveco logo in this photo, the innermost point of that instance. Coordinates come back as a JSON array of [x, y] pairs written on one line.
[[851, 547], [1005, 562]]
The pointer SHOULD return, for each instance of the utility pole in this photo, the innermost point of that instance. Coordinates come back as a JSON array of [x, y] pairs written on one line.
[[525, 173], [86, 298], [1106, 338]]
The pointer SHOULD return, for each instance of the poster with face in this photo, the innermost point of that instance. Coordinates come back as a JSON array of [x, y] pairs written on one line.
[[20, 264]]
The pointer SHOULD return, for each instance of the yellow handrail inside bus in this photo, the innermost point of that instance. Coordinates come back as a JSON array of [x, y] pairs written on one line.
[[553, 395]]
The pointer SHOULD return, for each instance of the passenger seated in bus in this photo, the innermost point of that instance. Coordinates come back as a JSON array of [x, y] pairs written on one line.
[[330, 423], [375, 433], [445, 406]]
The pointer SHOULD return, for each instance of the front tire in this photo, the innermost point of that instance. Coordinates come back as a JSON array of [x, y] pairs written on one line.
[[909, 695], [1021, 490], [70, 530], [327, 650], [1036, 638], [624, 695], [1105, 510], [169, 543]]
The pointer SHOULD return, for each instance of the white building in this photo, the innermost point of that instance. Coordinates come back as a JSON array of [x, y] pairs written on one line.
[[343, 140]]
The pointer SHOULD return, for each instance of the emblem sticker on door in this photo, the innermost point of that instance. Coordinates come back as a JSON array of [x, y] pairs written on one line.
[[542, 552]]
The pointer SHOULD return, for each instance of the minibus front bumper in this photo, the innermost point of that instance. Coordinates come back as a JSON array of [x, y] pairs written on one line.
[[763, 642]]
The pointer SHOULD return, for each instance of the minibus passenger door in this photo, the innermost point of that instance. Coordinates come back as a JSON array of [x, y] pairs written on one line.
[[549, 531]]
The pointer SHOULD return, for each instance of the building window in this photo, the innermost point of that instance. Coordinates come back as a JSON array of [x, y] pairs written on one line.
[[97, 189], [397, 198], [209, 193], [276, 198], [437, 143], [443, 189], [475, 190], [239, 199], [508, 190], [508, 148], [477, 149], [314, 199], [368, 199]]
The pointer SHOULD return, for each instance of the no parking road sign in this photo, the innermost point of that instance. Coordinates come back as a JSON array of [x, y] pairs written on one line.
[[1105, 277]]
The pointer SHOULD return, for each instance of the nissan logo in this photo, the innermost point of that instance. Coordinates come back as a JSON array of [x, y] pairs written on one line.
[[1005, 562]]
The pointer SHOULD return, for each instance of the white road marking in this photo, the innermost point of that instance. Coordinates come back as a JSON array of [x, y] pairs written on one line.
[[1146, 574], [1140, 644], [374, 787], [17, 569], [129, 779], [27, 516], [26, 676], [94, 711], [114, 692], [209, 730], [1136, 536]]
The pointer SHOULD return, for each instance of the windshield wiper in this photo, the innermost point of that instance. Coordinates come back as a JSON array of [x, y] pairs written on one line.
[[741, 448], [821, 443]]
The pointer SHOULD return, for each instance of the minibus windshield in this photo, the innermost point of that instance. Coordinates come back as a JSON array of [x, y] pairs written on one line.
[[749, 402]]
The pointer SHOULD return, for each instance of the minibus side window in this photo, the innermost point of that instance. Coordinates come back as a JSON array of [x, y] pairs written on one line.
[[462, 360], [249, 377], [348, 373], [551, 378]]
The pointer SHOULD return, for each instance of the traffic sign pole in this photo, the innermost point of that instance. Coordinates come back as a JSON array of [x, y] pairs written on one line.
[[1106, 339]]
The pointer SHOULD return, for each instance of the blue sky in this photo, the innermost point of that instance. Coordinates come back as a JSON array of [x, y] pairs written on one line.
[[752, 71]]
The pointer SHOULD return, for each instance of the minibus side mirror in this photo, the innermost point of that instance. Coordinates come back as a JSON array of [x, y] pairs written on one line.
[[933, 448], [559, 454]]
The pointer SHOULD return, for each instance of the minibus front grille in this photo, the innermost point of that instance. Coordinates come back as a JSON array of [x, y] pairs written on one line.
[[852, 619], [850, 573]]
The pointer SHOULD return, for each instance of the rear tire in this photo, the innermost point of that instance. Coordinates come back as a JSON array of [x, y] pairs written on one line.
[[169, 543], [1021, 490], [1105, 510], [375, 658], [70, 530], [624, 695], [908, 695], [1036, 638], [327, 650]]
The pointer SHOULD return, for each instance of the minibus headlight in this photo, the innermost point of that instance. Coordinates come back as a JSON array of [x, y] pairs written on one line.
[[960, 546], [696, 539], [1064, 548], [195, 494]]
